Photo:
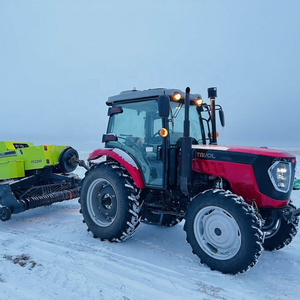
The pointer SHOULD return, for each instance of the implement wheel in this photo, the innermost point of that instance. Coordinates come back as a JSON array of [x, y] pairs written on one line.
[[5, 213]]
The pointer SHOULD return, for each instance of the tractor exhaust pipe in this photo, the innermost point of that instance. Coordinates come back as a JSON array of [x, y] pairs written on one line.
[[186, 148], [212, 94]]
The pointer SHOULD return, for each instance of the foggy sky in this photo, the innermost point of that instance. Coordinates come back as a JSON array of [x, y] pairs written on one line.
[[60, 60]]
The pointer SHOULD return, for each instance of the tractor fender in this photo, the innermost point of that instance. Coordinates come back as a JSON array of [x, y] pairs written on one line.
[[122, 158]]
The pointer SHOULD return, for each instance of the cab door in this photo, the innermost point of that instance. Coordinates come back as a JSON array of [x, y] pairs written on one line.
[[136, 129]]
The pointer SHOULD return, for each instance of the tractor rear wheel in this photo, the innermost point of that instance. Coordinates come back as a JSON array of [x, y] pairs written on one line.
[[223, 231], [110, 203]]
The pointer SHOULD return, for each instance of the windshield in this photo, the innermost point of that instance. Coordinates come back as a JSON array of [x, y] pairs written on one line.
[[199, 129], [137, 131]]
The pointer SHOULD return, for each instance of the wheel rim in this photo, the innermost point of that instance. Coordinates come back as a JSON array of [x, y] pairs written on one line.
[[272, 228], [217, 232], [102, 202]]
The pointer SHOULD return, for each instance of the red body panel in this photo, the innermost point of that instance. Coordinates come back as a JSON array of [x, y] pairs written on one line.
[[250, 150], [241, 179], [124, 159], [240, 176], [261, 151]]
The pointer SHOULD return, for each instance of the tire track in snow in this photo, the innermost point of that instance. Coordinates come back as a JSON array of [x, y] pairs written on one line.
[[154, 252], [126, 275]]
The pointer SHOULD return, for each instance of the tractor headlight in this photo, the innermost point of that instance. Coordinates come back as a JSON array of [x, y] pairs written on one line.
[[280, 174]]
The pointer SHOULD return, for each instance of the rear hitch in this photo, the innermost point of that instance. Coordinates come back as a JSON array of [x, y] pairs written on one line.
[[82, 163]]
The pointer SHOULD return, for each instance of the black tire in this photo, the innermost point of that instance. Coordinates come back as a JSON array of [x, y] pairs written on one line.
[[110, 203], [223, 231], [68, 160], [5, 213], [281, 234], [166, 220]]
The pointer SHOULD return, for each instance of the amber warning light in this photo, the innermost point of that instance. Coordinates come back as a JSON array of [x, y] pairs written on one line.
[[163, 132]]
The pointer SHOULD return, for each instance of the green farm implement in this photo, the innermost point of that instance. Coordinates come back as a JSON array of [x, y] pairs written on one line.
[[33, 176]]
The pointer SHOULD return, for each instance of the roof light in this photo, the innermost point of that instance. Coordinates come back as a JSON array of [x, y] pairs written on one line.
[[198, 101], [176, 96]]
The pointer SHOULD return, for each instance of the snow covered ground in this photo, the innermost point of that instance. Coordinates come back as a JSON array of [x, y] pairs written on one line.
[[47, 253]]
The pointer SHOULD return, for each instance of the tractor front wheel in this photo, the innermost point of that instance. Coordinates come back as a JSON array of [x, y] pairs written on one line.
[[223, 231], [280, 234], [110, 203]]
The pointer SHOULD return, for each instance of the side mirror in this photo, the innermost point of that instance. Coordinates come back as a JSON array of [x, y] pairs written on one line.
[[109, 137], [114, 110], [163, 106], [222, 117]]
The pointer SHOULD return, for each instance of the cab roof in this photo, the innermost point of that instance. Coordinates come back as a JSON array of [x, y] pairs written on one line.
[[138, 95]]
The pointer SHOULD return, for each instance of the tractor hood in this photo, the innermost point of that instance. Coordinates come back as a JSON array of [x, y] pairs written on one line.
[[241, 149], [252, 172]]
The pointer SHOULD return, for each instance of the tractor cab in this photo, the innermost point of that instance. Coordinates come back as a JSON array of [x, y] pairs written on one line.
[[148, 126]]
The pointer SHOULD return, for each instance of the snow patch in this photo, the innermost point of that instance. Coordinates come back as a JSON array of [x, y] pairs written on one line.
[[125, 157]]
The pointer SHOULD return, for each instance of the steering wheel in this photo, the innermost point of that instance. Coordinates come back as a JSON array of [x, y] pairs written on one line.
[[155, 134], [130, 142]]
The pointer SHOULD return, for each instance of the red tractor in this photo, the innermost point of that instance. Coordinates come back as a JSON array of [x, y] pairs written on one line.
[[161, 164]]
